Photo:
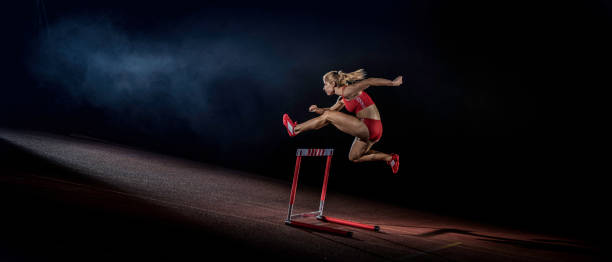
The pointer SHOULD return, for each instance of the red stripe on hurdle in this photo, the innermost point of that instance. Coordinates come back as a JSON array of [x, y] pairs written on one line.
[[325, 178], [296, 174]]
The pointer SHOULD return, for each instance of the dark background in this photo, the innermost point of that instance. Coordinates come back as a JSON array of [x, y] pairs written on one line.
[[497, 118]]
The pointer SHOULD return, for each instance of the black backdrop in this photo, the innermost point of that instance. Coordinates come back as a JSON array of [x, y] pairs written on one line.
[[496, 119]]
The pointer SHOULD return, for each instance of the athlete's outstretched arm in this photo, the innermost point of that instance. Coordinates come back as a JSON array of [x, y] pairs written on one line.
[[383, 82], [336, 107], [373, 81]]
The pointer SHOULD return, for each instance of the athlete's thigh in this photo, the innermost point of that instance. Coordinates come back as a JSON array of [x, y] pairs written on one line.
[[349, 124]]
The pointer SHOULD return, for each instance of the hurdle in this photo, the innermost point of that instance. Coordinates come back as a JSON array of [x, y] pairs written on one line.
[[303, 152]]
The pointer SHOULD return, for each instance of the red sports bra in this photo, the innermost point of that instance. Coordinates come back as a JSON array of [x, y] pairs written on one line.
[[358, 103]]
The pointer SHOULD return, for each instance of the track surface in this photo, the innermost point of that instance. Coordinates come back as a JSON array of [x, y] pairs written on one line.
[[72, 198]]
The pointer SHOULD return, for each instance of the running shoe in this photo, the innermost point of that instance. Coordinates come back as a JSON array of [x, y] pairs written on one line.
[[394, 163], [289, 124]]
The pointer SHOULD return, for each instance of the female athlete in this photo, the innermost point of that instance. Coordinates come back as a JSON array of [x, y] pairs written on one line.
[[365, 126]]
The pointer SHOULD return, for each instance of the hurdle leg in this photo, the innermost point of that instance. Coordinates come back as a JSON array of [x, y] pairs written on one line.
[[296, 173], [324, 191]]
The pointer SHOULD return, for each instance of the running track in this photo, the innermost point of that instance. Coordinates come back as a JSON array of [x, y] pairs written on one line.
[[73, 198]]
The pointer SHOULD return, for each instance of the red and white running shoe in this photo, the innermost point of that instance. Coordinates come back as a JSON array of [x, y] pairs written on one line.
[[394, 163], [289, 124]]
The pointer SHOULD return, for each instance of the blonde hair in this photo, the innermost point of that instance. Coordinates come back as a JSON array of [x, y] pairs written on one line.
[[340, 78]]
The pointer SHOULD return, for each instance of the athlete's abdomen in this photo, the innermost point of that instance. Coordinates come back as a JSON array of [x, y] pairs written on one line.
[[370, 112]]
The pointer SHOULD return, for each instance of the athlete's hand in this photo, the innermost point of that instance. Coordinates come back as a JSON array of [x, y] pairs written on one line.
[[313, 108], [397, 81]]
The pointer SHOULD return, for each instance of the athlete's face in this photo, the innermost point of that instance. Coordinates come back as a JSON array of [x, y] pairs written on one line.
[[328, 88]]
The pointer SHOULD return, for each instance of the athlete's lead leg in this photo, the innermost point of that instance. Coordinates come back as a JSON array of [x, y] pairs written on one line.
[[344, 122], [312, 124]]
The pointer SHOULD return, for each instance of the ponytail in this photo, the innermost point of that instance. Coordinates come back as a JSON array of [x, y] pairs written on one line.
[[347, 78]]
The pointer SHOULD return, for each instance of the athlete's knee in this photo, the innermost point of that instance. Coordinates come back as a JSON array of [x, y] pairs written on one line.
[[354, 158], [327, 115]]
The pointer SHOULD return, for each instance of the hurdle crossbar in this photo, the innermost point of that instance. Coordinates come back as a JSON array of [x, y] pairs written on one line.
[[302, 152]]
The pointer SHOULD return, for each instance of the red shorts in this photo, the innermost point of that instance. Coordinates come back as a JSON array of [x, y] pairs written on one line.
[[375, 128]]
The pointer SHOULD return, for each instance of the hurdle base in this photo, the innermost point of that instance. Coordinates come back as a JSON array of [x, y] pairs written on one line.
[[323, 229], [348, 223]]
